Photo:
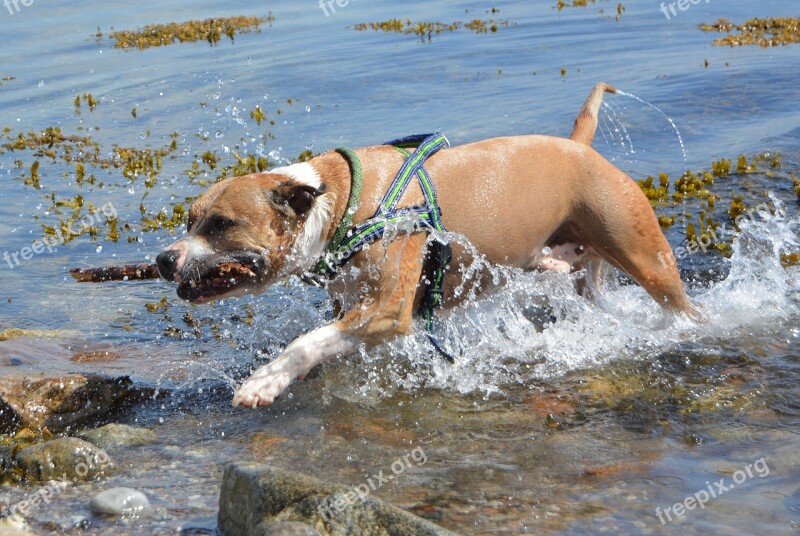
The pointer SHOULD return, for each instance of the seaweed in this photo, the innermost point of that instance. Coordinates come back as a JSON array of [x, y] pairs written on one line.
[[703, 227], [211, 30], [769, 32], [562, 4], [428, 29]]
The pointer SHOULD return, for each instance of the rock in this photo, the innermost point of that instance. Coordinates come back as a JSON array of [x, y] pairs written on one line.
[[118, 435], [119, 502], [63, 402], [286, 528], [15, 333], [66, 459], [255, 497], [14, 525]]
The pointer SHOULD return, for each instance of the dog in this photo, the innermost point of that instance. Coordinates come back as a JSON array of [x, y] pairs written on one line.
[[532, 201]]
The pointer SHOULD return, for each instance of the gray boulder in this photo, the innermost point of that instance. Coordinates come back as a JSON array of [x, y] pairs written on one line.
[[118, 435], [254, 497], [286, 528], [66, 459]]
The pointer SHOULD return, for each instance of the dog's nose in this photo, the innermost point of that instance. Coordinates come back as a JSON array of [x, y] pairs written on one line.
[[167, 261]]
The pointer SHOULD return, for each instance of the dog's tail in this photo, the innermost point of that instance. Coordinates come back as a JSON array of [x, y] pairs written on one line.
[[586, 122]]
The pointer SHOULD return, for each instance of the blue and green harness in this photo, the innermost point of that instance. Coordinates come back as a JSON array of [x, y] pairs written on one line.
[[349, 239]]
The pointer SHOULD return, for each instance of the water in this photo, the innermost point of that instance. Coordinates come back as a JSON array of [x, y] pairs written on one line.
[[583, 426], [620, 127]]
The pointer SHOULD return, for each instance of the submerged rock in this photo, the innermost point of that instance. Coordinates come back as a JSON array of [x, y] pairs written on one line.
[[119, 435], [62, 402], [66, 459], [286, 528], [14, 525], [119, 502], [256, 498]]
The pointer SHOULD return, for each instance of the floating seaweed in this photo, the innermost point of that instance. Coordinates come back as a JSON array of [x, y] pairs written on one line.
[[211, 30], [703, 228], [90, 100], [428, 29], [770, 32], [562, 4]]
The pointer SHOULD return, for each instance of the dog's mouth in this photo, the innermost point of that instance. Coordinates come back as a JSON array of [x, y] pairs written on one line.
[[221, 280]]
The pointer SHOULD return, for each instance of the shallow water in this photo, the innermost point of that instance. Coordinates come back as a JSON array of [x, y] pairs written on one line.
[[585, 426]]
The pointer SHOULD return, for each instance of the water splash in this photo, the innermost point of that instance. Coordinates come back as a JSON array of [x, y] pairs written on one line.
[[668, 118], [617, 128], [532, 327], [508, 337]]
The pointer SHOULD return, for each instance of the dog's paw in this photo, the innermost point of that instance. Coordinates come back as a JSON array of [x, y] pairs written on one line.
[[262, 388]]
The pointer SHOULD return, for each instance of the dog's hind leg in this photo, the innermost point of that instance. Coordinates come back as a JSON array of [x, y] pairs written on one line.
[[586, 122], [385, 310], [621, 227]]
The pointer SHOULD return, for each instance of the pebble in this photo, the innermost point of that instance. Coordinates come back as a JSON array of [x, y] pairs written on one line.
[[119, 501]]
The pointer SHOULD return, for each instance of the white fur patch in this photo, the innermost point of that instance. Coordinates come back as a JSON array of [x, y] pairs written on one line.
[[296, 360], [304, 173], [310, 243]]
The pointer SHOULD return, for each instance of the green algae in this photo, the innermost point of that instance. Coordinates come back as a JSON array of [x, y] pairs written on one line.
[[50, 158], [88, 98], [426, 29], [563, 4], [211, 30], [258, 115], [15, 333], [703, 227], [768, 32]]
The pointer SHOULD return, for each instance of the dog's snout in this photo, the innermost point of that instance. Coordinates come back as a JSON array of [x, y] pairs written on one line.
[[167, 262]]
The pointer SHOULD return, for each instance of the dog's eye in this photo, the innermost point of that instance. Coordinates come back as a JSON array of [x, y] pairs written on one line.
[[218, 224]]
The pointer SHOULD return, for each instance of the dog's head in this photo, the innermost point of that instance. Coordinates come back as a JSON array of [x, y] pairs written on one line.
[[246, 232]]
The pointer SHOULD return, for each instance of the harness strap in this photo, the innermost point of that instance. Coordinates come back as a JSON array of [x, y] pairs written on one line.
[[357, 174], [324, 267], [429, 192], [440, 255], [349, 240], [427, 145]]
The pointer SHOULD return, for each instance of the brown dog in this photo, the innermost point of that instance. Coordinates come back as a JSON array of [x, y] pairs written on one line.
[[511, 197]]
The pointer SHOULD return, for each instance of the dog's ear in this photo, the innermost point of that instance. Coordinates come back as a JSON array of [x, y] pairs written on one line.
[[296, 196]]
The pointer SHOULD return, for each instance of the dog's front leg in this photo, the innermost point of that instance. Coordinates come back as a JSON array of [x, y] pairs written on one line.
[[385, 311], [295, 361]]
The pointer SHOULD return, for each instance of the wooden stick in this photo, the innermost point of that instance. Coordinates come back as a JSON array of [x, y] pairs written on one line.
[[131, 272]]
